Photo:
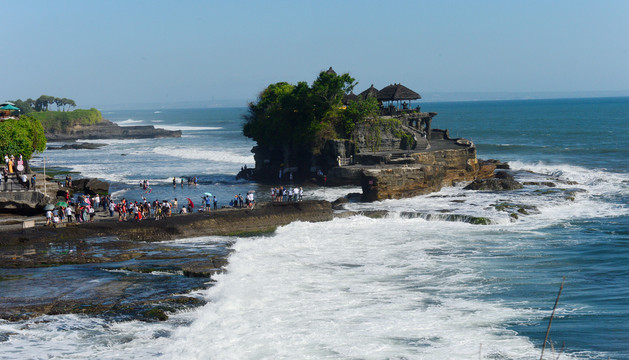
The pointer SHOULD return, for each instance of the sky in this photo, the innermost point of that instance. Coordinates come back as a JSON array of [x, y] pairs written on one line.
[[224, 53]]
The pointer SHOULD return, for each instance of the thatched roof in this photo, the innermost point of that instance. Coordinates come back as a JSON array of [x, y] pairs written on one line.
[[349, 97], [372, 91], [397, 92]]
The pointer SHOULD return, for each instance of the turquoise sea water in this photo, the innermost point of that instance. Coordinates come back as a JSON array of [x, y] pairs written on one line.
[[394, 288]]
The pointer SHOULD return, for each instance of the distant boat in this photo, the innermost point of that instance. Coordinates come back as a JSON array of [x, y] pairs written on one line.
[[157, 112]]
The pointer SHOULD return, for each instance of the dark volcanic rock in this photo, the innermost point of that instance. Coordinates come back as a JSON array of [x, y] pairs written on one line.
[[77, 146], [338, 203], [497, 163], [494, 185], [205, 268], [504, 175], [91, 186], [540, 183]]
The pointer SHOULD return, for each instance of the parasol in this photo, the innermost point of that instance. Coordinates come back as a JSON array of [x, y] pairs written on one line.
[[9, 107], [190, 203], [62, 204], [49, 207]]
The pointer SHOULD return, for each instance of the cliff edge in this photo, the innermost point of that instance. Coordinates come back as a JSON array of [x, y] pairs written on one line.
[[106, 129]]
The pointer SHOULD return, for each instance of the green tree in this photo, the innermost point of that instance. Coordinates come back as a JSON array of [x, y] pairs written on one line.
[[24, 106], [356, 113], [70, 103], [22, 136], [59, 103], [293, 122], [41, 104], [292, 115]]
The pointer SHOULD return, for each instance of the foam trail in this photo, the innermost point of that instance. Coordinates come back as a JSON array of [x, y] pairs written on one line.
[[129, 122], [351, 289], [187, 128], [203, 154]]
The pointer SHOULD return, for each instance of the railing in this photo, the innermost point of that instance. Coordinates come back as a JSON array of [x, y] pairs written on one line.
[[12, 185], [394, 111], [344, 161]]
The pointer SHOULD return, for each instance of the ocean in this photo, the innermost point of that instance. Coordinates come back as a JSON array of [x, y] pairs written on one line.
[[421, 283]]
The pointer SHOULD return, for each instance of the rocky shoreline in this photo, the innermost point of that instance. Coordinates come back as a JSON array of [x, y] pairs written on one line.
[[137, 249], [106, 129]]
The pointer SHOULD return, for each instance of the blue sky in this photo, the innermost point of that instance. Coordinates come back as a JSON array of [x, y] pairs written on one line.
[[106, 53]]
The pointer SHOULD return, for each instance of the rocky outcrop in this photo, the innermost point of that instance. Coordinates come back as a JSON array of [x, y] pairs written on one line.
[[428, 172], [90, 186], [108, 130], [23, 202], [494, 185], [77, 146]]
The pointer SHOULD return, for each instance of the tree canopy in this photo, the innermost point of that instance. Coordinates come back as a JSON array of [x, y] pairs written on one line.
[[43, 102], [301, 117], [292, 123], [22, 136]]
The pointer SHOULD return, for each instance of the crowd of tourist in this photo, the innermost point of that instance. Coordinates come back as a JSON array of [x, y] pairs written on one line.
[[79, 210], [281, 193], [84, 207], [238, 201], [16, 167]]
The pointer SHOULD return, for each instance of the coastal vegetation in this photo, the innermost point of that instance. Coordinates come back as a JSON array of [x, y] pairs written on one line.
[[43, 103], [56, 121], [300, 116], [22, 136], [293, 123]]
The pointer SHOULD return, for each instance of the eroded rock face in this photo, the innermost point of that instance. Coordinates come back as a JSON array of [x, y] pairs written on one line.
[[23, 202], [432, 171]]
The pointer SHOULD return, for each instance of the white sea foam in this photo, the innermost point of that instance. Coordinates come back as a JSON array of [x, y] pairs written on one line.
[[115, 141], [205, 154], [187, 128], [117, 195], [130, 122], [331, 193], [351, 288], [82, 337], [579, 193]]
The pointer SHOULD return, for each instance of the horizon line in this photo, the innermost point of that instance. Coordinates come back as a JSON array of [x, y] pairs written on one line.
[[430, 97]]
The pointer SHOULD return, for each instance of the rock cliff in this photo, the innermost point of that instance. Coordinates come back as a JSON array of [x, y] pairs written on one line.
[[429, 173], [394, 175], [108, 130]]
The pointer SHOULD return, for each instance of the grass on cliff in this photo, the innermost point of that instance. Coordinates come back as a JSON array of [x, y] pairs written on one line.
[[61, 121]]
